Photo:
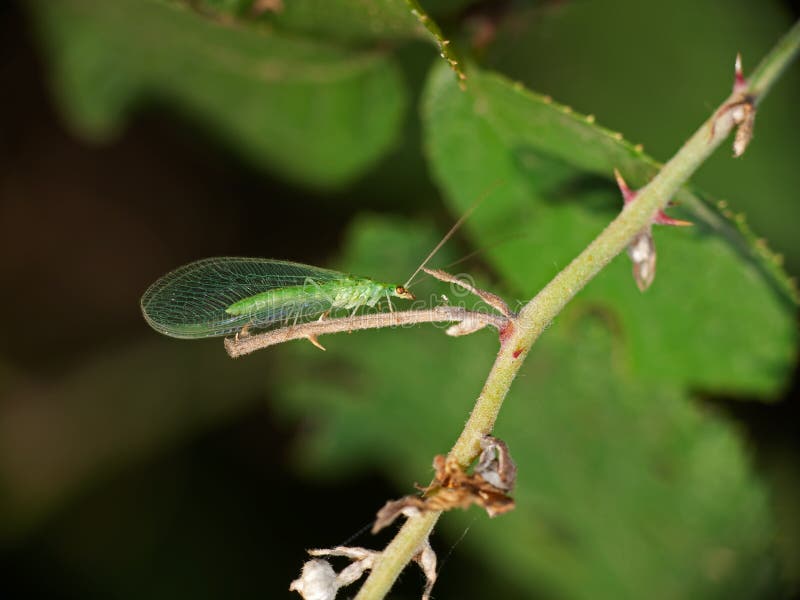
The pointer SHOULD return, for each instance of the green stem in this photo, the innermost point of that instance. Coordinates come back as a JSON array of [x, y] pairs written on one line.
[[772, 66], [543, 308]]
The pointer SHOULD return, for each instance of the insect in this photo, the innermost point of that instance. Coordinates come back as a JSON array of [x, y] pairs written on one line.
[[228, 295], [221, 296]]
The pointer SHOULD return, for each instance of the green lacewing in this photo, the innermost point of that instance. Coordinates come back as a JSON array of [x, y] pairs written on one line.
[[221, 296]]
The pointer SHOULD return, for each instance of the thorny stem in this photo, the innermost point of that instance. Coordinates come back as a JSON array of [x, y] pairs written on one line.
[[544, 307], [246, 344]]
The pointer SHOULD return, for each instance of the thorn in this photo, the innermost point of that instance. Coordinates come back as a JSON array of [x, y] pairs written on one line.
[[642, 249], [662, 218], [629, 195], [739, 82], [313, 339]]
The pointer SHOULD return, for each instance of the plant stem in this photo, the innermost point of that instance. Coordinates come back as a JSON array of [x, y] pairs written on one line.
[[546, 305], [441, 314]]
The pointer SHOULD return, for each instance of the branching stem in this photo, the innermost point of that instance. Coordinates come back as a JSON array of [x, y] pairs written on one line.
[[543, 308]]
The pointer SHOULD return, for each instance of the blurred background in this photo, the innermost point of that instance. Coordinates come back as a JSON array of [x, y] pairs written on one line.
[[134, 139]]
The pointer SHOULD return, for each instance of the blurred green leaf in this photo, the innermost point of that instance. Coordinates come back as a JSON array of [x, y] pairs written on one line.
[[348, 20], [117, 408], [624, 484], [313, 112], [712, 319], [345, 20]]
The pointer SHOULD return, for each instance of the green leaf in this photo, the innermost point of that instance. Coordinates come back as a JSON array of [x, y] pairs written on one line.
[[716, 317], [344, 20], [347, 20], [624, 484], [313, 112], [654, 72]]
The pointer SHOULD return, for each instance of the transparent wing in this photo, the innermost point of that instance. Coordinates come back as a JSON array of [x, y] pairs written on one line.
[[190, 301]]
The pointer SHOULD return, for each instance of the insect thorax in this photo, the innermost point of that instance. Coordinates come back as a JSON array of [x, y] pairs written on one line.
[[358, 292]]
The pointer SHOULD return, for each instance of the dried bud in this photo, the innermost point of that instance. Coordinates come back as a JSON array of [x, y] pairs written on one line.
[[465, 327], [642, 251], [741, 111], [744, 115], [495, 464]]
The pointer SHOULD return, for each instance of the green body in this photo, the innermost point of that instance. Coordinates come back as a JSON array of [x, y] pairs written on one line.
[[345, 293], [220, 296]]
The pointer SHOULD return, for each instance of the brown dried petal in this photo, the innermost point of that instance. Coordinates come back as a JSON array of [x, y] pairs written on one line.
[[408, 506], [454, 488]]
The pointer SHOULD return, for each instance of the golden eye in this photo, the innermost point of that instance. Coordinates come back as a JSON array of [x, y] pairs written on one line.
[[402, 292]]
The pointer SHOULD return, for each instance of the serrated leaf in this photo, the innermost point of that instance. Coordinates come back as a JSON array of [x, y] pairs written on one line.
[[346, 20], [314, 112], [714, 318], [624, 485]]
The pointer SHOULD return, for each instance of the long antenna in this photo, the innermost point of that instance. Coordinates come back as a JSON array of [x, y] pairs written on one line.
[[503, 240], [453, 229]]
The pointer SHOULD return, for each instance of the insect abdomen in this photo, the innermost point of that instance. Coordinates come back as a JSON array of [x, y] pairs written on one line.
[[291, 299]]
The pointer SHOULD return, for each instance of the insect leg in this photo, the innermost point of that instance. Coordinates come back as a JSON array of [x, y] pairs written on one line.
[[243, 332], [389, 300]]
